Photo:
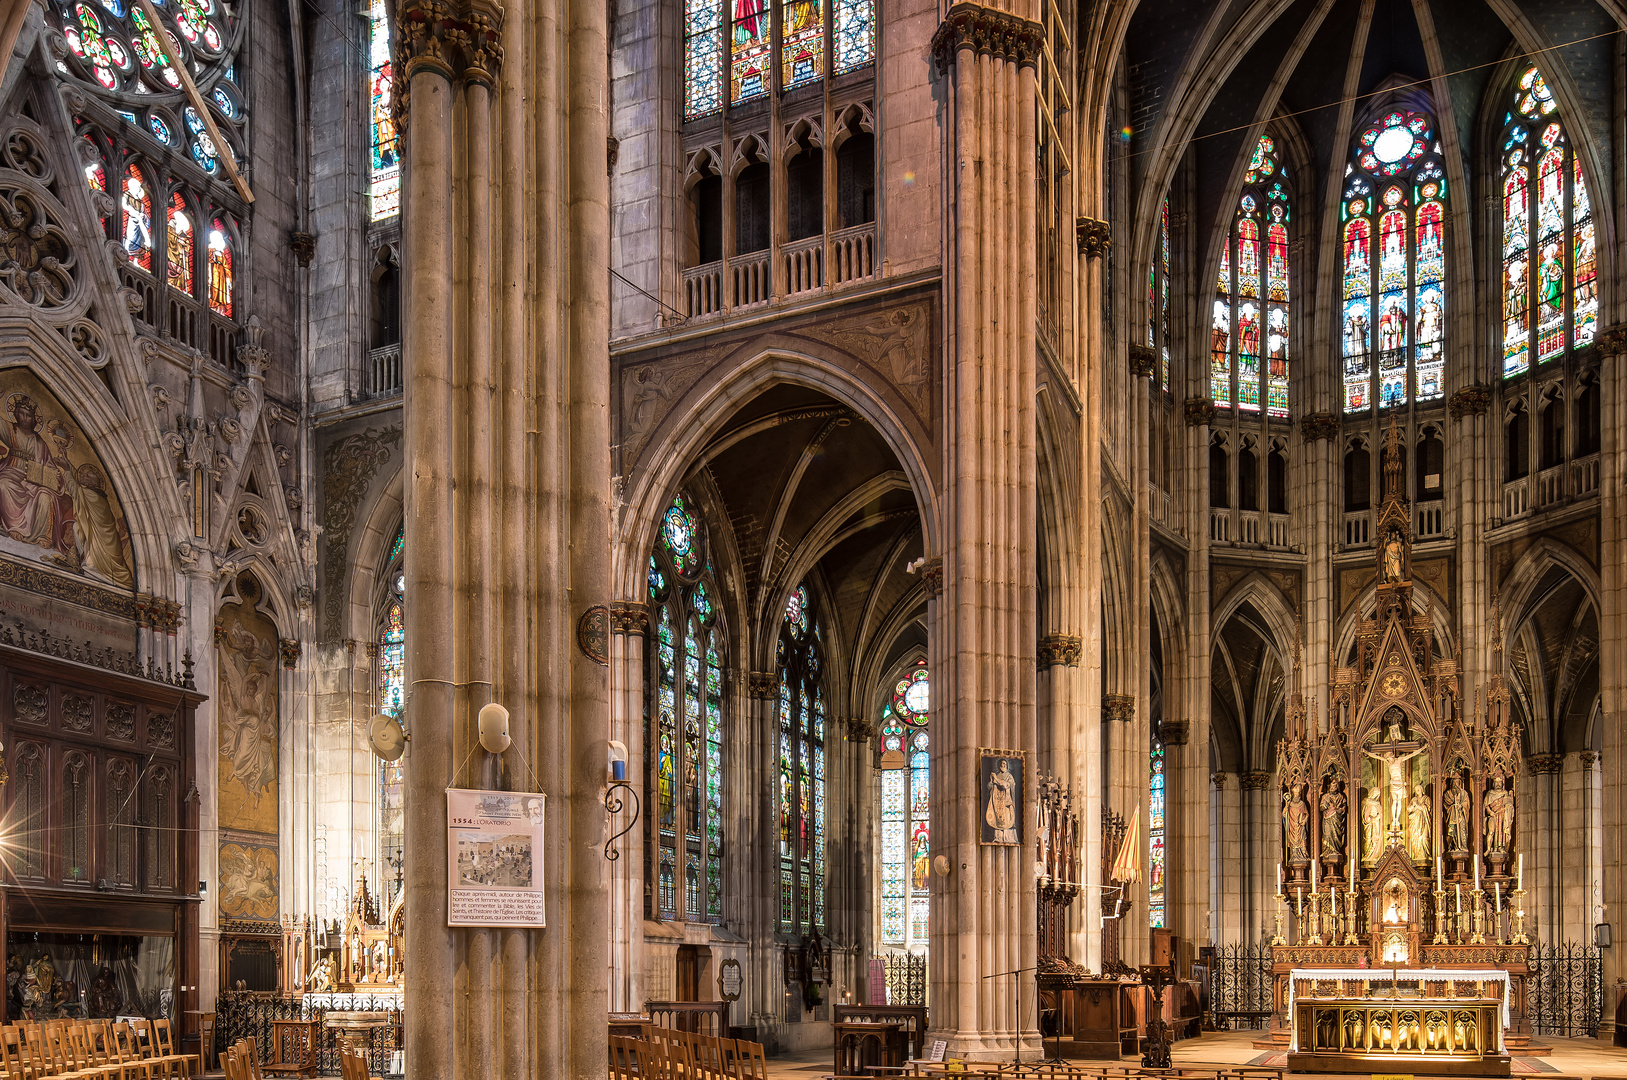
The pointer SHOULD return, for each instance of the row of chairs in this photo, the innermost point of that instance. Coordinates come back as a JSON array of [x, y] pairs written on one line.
[[1086, 1070], [241, 1060], [668, 1054], [94, 1050]]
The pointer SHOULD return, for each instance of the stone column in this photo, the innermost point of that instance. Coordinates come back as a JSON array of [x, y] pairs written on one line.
[[1260, 850], [983, 625], [1613, 641], [629, 625]]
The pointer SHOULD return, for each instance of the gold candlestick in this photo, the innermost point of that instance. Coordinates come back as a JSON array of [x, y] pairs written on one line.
[[1518, 936], [1440, 917], [1277, 938], [1350, 917], [1479, 935], [1316, 921]]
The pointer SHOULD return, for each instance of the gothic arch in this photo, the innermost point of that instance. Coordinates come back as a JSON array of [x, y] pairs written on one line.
[[370, 554]]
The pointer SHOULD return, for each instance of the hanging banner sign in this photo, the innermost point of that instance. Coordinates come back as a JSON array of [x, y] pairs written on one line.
[[494, 858]]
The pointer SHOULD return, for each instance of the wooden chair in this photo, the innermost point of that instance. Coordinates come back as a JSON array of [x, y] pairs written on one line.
[[751, 1060], [14, 1056], [164, 1033]]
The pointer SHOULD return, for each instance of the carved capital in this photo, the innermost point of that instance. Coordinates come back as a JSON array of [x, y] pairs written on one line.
[[628, 618], [455, 40], [1059, 650], [762, 684], [1143, 360], [1218, 779], [1094, 236], [1545, 764], [1588, 758], [290, 649], [1174, 732], [932, 577], [1118, 707], [1199, 411], [1613, 342], [303, 245], [1471, 400], [1255, 781], [1319, 425], [858, 730], [978, 29]]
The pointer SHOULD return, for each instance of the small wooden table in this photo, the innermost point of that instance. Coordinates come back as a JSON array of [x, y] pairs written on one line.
[[861, 1043], [295, 1048]]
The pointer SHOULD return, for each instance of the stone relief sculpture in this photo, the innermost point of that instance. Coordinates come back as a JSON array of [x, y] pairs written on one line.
[[1296, 822], [1372, 825], [1499, 817], [1419, 821]]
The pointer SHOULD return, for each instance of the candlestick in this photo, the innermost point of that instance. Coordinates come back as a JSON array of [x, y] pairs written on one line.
[[1350, 915], [1477, 872], [1458, 885], [1438, 885], [1279, 877], [1479, 935], [1352, 870], [1316, 921], [1440, 915], [1519, 873], [1518, 936], [1313, 876], [1277, 939]]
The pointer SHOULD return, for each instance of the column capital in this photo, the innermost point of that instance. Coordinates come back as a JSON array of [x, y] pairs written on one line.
[[1174, 732], [290, 650], [859, 730], [1143, 359], [1199, 410], [1319, 425], [932, 576], [1544, 764], [1613, 342], [627, 617], [1094, 236], [762, 684], [1218, 779], [1060, 650], [985, 30], [1118, 707], [1588, 758], [1471, 400], [1255, 781]]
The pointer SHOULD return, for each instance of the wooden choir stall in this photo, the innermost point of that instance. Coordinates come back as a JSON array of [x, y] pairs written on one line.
[[1400, 885]]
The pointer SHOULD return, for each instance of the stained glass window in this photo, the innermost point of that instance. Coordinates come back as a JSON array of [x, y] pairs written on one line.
[[806, 36], [1155, 836], [1393, 225], [178, 253], [385, 173], [906, 833], [138, 218], [1549, 271], [685, 728], [220, 270], [1158, 299], [1249, 331], [801, 768], [392, 639]]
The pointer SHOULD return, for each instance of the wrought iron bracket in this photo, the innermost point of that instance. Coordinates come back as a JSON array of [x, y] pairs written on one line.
[[613, 805]]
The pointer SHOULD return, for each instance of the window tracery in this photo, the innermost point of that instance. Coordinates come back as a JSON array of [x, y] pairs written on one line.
[[1549, 265], [1393, 226], [1249, 327], [744, 37], [906, 832], [391, 644], [1158, 297], [384, 189], [1155, 834], [685, 734], [801, 768]]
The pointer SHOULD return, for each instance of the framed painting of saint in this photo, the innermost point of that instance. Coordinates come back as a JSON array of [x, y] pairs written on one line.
[[1000, 787]]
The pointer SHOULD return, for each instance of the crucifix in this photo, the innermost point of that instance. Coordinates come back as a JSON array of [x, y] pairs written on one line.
[[1392, 754]]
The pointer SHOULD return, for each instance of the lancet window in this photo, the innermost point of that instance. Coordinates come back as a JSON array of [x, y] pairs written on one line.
[[738, 51], [1155, 834], [1158, 297], [906, 824], [391, 644], [1393, 258], [1249, 326], [1549, 267], [685, 728], [384, 173], [802, 768]]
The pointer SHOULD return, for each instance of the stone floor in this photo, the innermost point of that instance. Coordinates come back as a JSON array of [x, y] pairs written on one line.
[[1570, 1058]]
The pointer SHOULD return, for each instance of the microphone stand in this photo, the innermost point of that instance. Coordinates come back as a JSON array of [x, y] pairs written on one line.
[[1017, 1000]]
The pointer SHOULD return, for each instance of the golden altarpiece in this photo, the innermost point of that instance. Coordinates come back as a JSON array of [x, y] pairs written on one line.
[[1400, 943]]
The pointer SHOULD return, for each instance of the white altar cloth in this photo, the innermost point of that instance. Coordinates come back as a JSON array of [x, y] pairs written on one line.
[[1376, 976]]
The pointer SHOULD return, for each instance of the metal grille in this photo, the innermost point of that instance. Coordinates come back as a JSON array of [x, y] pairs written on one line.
[[248, 1015], [1564, 990], [906, 978], [1240, 982]]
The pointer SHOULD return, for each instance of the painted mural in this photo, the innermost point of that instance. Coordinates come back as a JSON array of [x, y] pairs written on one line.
[[57, 505], [246, 711]]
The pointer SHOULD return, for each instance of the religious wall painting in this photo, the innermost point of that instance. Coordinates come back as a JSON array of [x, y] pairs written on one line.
[[57, 504], [1001, 787], [248, 880], [246, 704]]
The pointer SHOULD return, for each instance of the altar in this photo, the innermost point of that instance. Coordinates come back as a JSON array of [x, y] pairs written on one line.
[[1400, 942]]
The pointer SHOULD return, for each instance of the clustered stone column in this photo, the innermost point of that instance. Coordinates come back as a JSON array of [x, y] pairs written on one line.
[[982, 625], [505, 229]]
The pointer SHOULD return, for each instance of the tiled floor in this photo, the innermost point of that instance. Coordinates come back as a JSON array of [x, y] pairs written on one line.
[[1570, 1057]]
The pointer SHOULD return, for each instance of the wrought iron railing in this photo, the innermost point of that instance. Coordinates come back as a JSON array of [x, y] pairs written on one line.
[[1564, 990], [248, 1015], [906, 978], [1240, 985]]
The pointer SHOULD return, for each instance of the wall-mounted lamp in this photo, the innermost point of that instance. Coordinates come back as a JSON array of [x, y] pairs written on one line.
[[618, 761], [493, 725], [613, 802], [203, 888]]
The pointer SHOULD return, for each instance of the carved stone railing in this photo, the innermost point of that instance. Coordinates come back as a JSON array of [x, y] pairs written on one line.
[[1277, 531], [384, 371], [1429, 520], [1585, 475], [1551, 486], [1516, 498], [753, 282], [1358, 528], [804, 265], [703, 289], [853, 254], [1220, 525]]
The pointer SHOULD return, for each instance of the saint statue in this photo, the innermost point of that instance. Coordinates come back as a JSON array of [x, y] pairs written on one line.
[[1296, 823], [1499, 818], [1418, 825], [1456, 802], [1000, 813], [1395, 902], [1372, 825], [1392, 556], [1393, 755], [1334, 805]]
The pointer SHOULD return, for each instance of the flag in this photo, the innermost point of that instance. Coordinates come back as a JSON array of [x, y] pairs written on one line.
[[1127, 864]]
